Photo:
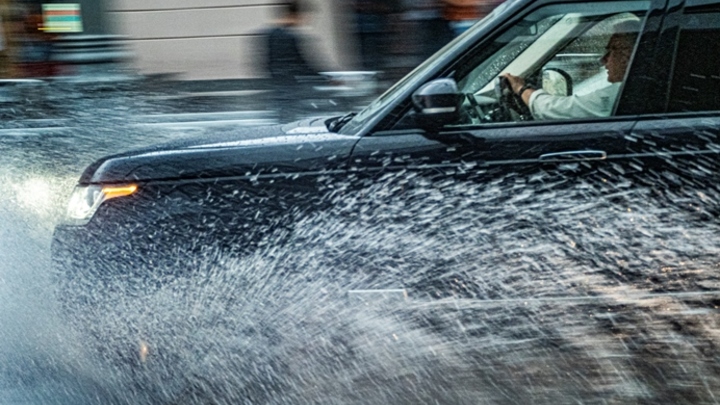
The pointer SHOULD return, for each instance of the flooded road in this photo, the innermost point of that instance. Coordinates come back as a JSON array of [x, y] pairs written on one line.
[[579, 295]]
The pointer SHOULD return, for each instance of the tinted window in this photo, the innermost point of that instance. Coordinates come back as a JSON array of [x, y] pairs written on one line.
[[695, 82]]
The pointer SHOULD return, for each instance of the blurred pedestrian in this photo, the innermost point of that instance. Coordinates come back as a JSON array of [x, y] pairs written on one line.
[[35, 48], [4, 57], [291, 71], [14, 16], [286, 61]]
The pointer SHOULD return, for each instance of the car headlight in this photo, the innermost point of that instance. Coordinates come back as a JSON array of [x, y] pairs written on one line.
[[85, 200]]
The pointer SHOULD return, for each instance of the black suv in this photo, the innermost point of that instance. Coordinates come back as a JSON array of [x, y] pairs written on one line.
[[453, 119]]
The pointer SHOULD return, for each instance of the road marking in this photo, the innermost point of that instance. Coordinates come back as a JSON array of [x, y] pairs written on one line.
[[207, 124], [33, 131], [232, 93], [207, 116], [161, 121]]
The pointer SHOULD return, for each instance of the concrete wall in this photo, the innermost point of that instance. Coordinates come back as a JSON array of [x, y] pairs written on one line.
[[217, 39]]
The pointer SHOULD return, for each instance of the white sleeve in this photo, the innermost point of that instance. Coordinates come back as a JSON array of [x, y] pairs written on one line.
[[598, 103]]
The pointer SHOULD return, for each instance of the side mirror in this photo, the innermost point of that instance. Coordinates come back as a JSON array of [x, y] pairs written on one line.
[[557, 82], [437, 103]]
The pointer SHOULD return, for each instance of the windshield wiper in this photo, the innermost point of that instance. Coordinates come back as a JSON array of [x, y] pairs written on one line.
[[338, 123]]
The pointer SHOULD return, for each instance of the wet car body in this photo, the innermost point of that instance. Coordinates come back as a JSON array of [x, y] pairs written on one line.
[[236, 191], [244, 185]]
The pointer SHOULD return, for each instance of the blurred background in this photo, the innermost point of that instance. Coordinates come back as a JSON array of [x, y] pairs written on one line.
[[214, 56], [220, 39]]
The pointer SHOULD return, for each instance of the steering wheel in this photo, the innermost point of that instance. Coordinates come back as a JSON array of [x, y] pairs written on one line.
[[509, 101], [503, 93]]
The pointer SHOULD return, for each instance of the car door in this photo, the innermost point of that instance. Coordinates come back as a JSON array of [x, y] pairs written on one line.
[[478, 148], [680, 146]]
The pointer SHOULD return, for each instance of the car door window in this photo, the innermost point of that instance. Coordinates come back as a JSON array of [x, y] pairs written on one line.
[[695, 81], [558, 50], [481, 147]]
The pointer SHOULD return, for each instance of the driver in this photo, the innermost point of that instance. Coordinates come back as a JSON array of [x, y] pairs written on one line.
[[598, 103]]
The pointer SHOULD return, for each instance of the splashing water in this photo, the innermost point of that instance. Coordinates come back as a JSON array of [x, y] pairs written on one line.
[[514, 295]]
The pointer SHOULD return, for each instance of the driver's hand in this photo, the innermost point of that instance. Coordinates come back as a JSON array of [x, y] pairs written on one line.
[[516, 82]]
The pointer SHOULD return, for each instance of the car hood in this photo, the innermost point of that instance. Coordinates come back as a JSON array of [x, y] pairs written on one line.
[[297, 147]]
